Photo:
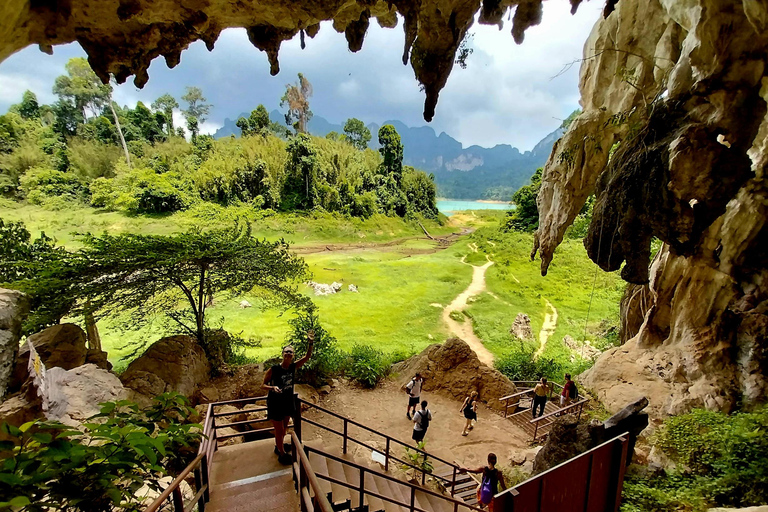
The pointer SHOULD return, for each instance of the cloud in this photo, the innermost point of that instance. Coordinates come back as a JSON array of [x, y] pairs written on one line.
[[507, 94]]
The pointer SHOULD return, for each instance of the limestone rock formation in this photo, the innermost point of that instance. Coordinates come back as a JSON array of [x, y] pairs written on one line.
[[174, 363], [634, 305], [78, 392], [14, 307], [122, 37], [521, 327], [683, 87], [581, 349], [59, 346], [240, 382], [454, 369]]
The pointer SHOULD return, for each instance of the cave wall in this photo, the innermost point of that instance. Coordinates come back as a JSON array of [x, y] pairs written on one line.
[[682, 86]]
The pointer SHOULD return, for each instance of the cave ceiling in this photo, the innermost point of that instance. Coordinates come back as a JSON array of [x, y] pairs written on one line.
[[123, 37]]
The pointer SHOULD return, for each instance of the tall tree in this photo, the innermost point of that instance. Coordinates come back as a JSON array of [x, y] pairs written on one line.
[[300, 174], [82, 87], [29, 108], [193, 127], [525, 216], [296, 98], [197, 107], [357, 133], [165, 104], [257, 123], [392, 152]]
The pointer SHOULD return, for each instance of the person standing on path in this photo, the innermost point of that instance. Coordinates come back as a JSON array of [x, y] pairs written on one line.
[[569, 391], [280, 402], [469, 408], [489, 486], [540, 393], [421, 421], [413, 388]]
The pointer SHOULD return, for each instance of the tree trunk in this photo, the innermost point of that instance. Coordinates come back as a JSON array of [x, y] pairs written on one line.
[[94, 340], [120, 132]]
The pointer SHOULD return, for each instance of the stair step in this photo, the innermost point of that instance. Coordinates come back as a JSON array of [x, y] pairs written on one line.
[[319, 466], [336, 470], [382, 484], [438, 504], [256, 501], [266, 486], [353, 478]]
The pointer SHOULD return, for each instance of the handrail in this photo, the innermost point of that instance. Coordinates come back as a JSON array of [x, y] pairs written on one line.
[[369, 429], [559, 411], [519, 393], [386, 477], [301, 457], [175, 484]]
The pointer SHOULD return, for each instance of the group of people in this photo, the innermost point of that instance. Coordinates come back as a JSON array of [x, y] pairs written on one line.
[[543, 389], [422, 417]]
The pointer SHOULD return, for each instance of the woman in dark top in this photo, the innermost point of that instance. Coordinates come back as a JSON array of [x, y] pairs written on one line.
[[280, 405], [469, 408], [489, 486]]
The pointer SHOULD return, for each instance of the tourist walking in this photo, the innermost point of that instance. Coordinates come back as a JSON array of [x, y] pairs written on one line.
[[413, 388], [421, 421], [469, 408], [540, 393], [279, 381], [489, 485], [569, 393]]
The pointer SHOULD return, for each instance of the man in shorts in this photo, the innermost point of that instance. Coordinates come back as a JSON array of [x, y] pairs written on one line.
[[413, 388], [421, 421]]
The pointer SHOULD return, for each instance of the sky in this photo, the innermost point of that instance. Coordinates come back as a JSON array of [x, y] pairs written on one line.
[[508, 94]]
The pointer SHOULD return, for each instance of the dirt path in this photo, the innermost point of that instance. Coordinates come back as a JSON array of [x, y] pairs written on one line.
[[441, 242], [464, 329], [383, 408], [547, 328]]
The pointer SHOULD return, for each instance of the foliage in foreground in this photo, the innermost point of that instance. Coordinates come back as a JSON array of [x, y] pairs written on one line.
[[101, 465], [722, 461]]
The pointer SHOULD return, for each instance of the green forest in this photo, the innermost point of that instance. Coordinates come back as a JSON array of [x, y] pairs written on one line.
[[85, 149]]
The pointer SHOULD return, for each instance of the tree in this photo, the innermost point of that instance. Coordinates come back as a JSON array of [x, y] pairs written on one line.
[[392, 152], [300, 174], [146, 123], [193, 127], [296, 98], [67, 117], [82, 87], [357, 133], [29, 108], [256, 124], [165, 104], [525, 216], [197, 107]]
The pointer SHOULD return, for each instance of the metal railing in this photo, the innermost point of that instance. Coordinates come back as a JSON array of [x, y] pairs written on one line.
[[388, 442], [362, 491], [306, 480], [568, 409]]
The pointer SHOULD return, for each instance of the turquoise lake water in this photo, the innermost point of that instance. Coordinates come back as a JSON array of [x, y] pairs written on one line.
[[450, 206]]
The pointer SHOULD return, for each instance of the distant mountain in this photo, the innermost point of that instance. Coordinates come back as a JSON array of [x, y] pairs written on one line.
[[460, 173]]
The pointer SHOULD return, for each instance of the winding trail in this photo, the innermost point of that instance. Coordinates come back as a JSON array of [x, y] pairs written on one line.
[[464, 329], [547, 328]]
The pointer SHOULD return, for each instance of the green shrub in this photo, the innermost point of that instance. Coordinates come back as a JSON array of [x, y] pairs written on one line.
[[722, 461], [326, 358], [367, 365], [145, 191], [40, 183], [521, 365], [99, 466]]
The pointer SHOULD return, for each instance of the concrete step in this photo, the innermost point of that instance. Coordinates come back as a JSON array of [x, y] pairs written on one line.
[[385, 489], [257, 501], [265, 483], [340, 493], [374, 503]]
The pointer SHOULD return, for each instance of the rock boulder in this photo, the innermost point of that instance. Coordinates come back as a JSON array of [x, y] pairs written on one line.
[[174, 363], [14, 307], [521, 328], [59, 346], [453, 369], [75, 395]]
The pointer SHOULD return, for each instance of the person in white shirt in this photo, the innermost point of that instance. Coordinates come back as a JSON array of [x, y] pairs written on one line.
[[421, 421], [413, 388]]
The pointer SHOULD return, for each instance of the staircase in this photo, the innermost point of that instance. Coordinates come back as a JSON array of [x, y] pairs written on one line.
[[518, 409]]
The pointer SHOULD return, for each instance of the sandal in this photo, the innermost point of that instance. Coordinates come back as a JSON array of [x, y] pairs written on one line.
[[465, 433]]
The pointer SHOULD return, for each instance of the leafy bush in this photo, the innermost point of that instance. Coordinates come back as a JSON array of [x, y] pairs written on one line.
[[521, 365], [102, 464], [326, 358], [40, 183], [367, 365], [722, 461]]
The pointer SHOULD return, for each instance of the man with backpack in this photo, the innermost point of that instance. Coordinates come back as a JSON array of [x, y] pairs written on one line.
[[570, 392], [421, 421], [489, 486], [413, 389]]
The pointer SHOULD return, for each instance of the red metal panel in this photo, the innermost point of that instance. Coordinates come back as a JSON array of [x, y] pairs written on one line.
[[600, 479], [565, 488], [527, 498]]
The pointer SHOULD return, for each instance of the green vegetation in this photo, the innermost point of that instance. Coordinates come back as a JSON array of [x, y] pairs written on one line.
[[721, 461], [367, 365], [101, 465]]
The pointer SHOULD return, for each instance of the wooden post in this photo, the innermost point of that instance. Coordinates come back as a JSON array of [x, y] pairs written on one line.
[[506, 406], [453, 480], [204, 473], [535, 431], [297, 416], [386, 457], [198, 486], [344, 442], [423, 471], [413, 498]]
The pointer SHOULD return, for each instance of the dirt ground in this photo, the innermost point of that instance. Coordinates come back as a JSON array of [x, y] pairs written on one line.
[[384, 409]]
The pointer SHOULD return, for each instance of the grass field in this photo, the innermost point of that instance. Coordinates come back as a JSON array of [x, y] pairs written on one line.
[[403, 278]]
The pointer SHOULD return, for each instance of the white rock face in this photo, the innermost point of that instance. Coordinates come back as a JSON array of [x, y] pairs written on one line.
[[244, 304], [353, 288], [325, 289], [521, 327], [75, 395], [13, 308]]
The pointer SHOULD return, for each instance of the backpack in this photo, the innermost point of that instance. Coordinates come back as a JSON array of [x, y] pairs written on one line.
[[424, 419], [486, 493], [573, 393], [409, 387]]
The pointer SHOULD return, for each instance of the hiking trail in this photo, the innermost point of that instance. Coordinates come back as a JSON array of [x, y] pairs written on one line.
[[547, 328], [464, 329]]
